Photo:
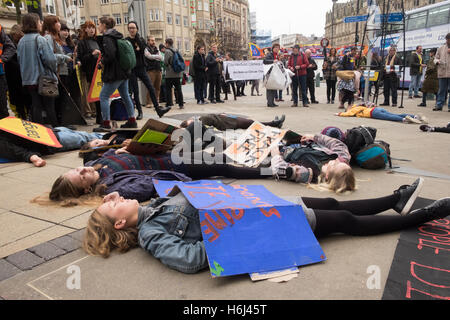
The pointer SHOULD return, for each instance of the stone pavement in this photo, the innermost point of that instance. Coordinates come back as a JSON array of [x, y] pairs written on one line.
[[39, 246]]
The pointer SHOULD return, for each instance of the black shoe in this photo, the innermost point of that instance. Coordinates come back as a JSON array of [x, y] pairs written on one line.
[[140, 116], [278, 123], [205, 102], [295, 105], [181, 107], [71, 127], [408, 195], [272, 105], [162, 111], [103, 128], [220, 101], [129, 125], [213, 101], [384, 105], [437, 210], [417, 97], [426, 128], [422, 105], [436, 109], [315, 102]]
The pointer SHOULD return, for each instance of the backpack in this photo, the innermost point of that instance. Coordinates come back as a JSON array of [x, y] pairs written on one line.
[[127, 57], [178, 64], [374, 156], [359, 137]]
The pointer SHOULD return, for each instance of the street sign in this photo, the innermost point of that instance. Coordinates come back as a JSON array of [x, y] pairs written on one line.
[[324, 42], [392, 17], [355, 19]]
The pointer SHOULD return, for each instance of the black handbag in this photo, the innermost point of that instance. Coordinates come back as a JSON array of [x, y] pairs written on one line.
[[48, 87]]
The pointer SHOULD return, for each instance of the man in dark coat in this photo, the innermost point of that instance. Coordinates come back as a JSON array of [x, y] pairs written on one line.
[[213, 73], [199, 74], [311, 76], [391, 80]]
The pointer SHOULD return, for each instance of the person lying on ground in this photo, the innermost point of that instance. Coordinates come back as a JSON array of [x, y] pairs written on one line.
[[224, 122], [317, 159], [426, 128], [109, 172], [121, 225], [372, 111]]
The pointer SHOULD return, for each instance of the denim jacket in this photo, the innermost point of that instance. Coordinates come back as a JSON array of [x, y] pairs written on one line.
[[169, 229], [35, 62]]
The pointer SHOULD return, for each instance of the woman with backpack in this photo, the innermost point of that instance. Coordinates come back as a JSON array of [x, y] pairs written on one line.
[[37, 60], [114, 77]]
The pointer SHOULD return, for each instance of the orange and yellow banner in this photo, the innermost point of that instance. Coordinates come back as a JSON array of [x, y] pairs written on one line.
[[97, 84]]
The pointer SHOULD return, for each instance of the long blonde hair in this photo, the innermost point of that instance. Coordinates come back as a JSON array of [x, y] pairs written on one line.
[[339, 182], [101, 237]]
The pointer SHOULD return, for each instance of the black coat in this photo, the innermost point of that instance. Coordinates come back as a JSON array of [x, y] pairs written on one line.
[[84, 55], [212, 64], [138, 42], [199, 66], [415, 64], [112, 71]]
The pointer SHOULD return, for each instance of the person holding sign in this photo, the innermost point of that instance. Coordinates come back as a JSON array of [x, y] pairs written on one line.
[[391, 81], [122, 224]]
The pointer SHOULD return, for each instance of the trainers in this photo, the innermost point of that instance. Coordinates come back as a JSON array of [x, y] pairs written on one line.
[[408, 195], [129, 125], [421, 118], [426, 128], [437, 210], [409, 119]]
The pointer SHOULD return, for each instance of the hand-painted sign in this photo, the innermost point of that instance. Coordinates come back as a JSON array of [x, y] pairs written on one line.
[[97, 84], [29, 130], [253, 147], [247, 229]]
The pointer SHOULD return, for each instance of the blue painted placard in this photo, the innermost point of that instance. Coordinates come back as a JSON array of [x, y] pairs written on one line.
[[247, 229]]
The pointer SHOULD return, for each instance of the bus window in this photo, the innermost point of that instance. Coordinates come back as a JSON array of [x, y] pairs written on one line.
[[417, 21], [438, 16]]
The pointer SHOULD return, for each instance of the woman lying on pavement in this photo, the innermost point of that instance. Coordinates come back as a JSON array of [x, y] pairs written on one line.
[[370, 110], [123, 224], [317, 159], [16, 148]]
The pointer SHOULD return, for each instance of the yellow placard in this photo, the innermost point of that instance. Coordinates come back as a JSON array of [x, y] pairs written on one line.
[[97, 84], [29, 130]]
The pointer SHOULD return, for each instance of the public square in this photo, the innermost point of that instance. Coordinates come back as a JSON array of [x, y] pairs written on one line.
[[39, 246]]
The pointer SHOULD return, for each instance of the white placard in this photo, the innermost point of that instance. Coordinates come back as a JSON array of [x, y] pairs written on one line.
[[244, 70]]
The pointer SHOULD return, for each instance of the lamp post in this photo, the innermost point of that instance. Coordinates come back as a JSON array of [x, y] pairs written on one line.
[[332, 23]]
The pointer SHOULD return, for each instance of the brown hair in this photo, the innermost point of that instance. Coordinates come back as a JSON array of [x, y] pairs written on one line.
[[30, 23], [84, 27], [49, 26], [101, 237], [169, 41], [16, 33], [335, 51], [276, 45], [108, 22]]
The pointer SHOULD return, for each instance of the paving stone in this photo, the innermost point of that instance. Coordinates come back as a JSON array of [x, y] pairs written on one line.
[[47, 250], [67, 243], [78, 235], [7, 270], [25, 260]]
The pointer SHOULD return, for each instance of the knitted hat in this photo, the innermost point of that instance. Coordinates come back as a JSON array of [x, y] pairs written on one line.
[[334, 132]]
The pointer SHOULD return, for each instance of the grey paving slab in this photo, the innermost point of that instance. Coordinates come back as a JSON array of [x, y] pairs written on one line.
[[66, 243], [77, 235], [7, 270], [25, 260], [47, 251]]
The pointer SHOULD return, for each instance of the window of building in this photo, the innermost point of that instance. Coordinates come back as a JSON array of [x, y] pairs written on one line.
[[185, 21], [103, 2], [125, 18], [206, 6], [179, 44], [152, 16], [185, 3], [169, 17], [50, 6], [176, 1], [95, 19], [187, 45], [177, 19], [118, 18]]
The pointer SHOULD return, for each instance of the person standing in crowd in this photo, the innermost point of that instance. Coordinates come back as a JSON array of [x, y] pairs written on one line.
[[139, 72], [431, 82], [162, 94], [36, 58], [153, 66], [391, 80], [18, 97], [88, 52], [272, 57], [298, 64], [113, 76], [199, 67], [7, 52], [347, 88], [227, 82], [311, 76], [69, 78], [173, 79], [443, 62], [376, 66], [416, 70], [329, 73], [279, 93], [213, 73]]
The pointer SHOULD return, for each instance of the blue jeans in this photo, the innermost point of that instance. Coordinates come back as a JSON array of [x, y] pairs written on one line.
[[415, 85], [71, 140], [279, 95], [296, 82], [108, 89], [383, 114], [444, 88]]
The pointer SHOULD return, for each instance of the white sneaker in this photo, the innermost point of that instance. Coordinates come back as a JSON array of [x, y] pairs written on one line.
[[421, 118], [409, 119]]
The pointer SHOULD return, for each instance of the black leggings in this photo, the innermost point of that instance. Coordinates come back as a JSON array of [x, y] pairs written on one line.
[[331, 90], [359, 218], [442, 129]]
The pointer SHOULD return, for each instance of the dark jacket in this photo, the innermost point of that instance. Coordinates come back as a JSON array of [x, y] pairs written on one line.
[[415, 67], [199, 66], [110, 57], [212, 64], [431, 82], [269, 58], [310, 72], [397, 62], [347, 63], [84, 55], [139, 46], [9, 49], [151, 65]]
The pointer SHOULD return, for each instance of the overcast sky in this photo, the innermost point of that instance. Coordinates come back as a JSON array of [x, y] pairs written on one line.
[[291, 16]]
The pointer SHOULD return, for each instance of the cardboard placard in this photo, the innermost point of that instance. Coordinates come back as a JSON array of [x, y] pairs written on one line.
[[97, 85], [29, 130], [247, 229], [253, 147]]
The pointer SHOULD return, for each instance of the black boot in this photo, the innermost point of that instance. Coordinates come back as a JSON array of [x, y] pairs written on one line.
[[140, 114]]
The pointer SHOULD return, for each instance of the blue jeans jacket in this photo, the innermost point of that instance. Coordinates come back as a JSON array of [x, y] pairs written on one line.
[[169, 229], [71, 140]]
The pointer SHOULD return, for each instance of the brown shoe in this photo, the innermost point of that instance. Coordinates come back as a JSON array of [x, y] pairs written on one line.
[[306, 105], [294, 105]]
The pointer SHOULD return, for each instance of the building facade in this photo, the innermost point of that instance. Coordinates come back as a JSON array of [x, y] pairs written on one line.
[[342, 34], [290, 40], [262, 38]]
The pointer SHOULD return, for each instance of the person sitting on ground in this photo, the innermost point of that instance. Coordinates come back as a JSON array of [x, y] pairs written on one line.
[[120, 224], [317, 159], [370, 110], [426, 128], [225, 121]]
